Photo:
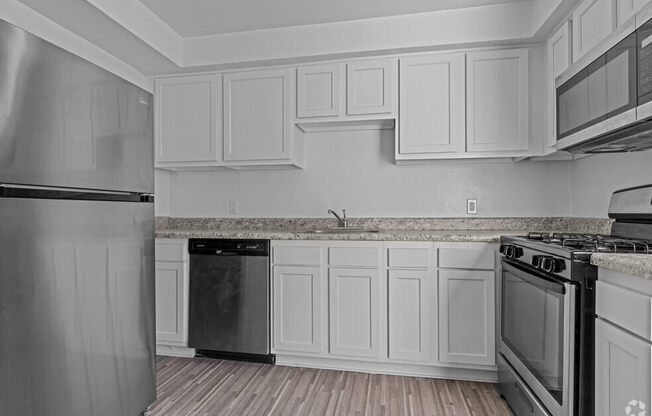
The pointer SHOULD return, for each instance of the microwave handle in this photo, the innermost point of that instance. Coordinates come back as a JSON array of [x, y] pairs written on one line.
[[533, 278]]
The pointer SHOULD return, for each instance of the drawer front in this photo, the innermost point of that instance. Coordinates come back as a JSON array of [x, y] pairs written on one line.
[[172, 250], [409, 258], [296, 255], [353, 256], [624, 307], [466, 258]]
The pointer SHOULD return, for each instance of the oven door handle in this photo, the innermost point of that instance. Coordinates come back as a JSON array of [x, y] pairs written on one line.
[[534, 278]]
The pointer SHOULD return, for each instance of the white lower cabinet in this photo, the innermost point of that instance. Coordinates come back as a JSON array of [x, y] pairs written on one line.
[[297, 308], [171, 280], [354, 298], [375, 306], [411, 303], [622, 374], [466, 317]]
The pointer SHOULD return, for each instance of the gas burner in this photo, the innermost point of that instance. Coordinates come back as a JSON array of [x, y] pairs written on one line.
[[597, 243]]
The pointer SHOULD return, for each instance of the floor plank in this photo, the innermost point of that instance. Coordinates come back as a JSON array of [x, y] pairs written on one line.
[[207, 387]]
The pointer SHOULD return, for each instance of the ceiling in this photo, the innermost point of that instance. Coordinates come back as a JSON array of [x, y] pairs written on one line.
[[190, 18]]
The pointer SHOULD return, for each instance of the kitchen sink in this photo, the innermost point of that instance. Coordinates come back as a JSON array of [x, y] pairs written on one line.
[[340, 231]]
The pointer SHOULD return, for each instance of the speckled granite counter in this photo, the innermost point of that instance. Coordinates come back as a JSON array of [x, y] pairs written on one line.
[[391, 229], [633, 264]]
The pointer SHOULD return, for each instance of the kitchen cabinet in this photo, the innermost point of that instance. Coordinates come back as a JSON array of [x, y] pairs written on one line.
[[622, 373], [369, 86], [297, 301], [559, 59], [497, 101], [171, 279], [432, 105], [625, 9], [188, 120], [593, 21], [467, 304], [623, 344], [319, 90], [257, 108], [354, 296]]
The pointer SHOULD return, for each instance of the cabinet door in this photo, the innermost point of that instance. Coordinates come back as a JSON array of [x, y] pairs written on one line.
[[593, 21], [411, 315], [369, 87], [318, 90], [559, 59], [622, 372], [257, 115], [170, 293], [466, 317], [354, 300], [628, 8], [431, 101], [188, 119], [498, 101], [297, 306]]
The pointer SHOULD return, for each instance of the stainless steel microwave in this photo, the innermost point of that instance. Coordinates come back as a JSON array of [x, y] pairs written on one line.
[[605, 105]]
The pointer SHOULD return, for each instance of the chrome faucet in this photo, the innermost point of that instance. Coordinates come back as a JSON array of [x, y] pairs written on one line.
[[342, 221]]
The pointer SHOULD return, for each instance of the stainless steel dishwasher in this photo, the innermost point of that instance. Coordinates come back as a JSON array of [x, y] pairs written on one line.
[[229, 314]]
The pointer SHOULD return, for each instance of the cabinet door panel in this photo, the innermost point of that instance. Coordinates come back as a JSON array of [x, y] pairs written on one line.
[[411, 315], [432, 100], [628, 8], [593, 21], [466, 317], [318, 90], [188, 119], [559, 59], [622, 371], [169, 303], [369, 87], [354, 297], [257, 115], [297, 306], [498, 101]]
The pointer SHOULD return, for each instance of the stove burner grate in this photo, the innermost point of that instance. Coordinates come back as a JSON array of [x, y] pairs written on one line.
[[597, 243]]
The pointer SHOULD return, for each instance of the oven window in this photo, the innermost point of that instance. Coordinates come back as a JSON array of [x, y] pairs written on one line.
[[532, 327]]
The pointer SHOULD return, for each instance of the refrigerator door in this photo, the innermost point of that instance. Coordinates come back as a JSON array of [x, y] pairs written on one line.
[[65, 122], [76, 307]]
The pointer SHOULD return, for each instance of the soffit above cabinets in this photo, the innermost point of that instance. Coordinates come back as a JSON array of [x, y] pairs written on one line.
[[191, 18]]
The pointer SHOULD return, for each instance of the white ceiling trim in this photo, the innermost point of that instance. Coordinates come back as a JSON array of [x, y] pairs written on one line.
[[142, 22], [485, 24]]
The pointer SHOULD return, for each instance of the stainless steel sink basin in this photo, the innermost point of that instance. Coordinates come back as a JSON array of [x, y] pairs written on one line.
[[340, 231]]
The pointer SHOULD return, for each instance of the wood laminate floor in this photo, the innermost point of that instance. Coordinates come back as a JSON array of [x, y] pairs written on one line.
[[199, 386]]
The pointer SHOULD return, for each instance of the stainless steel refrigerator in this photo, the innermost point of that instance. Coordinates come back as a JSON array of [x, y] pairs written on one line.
[[76, 235]]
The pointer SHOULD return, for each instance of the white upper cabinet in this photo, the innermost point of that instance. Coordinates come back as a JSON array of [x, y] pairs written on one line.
[[318, 90], [593, 21], [369, 87], [498, 101], [628, 8], [188, 117], [432, 100], [257, 113], [559, 59]]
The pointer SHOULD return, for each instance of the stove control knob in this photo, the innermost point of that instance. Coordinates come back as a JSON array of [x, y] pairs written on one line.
[[536, 261], [518, 252], [511, 251], [552, 265]]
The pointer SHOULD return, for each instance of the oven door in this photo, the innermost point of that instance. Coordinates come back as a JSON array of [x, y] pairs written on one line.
[[537, 321]]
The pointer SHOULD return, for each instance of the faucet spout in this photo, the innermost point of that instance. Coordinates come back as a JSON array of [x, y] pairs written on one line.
[[342, 221]]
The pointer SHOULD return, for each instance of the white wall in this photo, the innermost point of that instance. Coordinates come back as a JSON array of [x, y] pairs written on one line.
[[355, 170], [594, 179]]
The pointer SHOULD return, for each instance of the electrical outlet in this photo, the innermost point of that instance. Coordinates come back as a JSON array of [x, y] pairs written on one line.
[[233, 207], [471, 206]]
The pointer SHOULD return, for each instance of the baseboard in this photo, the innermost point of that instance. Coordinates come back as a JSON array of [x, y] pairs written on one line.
[[175, 351], [489, 375]]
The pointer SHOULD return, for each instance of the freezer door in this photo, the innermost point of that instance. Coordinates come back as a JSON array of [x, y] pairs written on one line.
[[76, 308], [65, 122]]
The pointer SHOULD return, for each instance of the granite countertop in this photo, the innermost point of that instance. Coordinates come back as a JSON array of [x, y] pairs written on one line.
[[633, 264], [382, 235], [474, 229]]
